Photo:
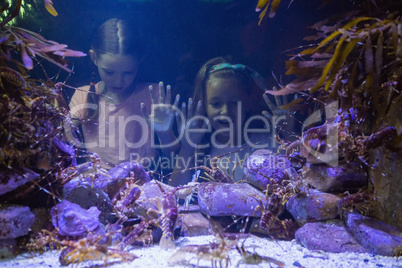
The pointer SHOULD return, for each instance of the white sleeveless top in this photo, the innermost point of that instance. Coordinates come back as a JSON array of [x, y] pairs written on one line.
[[121, 133]]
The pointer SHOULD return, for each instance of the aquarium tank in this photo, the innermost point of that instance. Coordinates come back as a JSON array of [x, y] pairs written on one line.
[[207, 133]]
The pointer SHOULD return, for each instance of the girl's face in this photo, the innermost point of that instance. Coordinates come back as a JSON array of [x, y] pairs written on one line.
[[224, 98], [118, 72]]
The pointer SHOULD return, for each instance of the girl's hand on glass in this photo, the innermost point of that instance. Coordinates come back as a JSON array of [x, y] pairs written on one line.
[[162, 111], [274, 108], [192, 126]]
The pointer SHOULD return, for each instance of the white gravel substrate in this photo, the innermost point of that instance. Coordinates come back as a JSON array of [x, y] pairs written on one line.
[[290, 253]]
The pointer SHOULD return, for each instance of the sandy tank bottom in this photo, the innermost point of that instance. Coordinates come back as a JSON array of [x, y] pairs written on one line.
[[290, 254]]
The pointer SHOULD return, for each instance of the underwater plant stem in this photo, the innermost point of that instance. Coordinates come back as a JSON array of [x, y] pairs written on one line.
[[13, 15]]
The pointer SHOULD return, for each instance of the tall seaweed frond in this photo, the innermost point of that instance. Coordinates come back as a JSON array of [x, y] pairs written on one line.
[[271, 5], [358, 55], [32, 111]]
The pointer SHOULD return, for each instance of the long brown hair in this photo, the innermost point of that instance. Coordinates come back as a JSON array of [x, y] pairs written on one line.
[[114, 36]]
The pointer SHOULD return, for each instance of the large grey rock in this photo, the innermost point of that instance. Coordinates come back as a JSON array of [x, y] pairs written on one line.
[[327, 178], [73, 220], [225, 199], [263, 166], [330, 236], [195, 224], [15, 221], [316, 206], [118, 175], [12, 179], [87, 196], [151, 195], [377, 237], [276, 230]]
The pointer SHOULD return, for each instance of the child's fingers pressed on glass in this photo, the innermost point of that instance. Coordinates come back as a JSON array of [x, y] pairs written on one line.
[[153, 94], [161, 93]]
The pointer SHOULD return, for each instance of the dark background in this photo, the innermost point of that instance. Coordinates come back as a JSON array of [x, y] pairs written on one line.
[[183, 34]]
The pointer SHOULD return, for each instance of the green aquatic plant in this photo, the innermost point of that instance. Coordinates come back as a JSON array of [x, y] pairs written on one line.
[[32, 110], [21, 10], [357, 62], [30, 46], [271, 5]]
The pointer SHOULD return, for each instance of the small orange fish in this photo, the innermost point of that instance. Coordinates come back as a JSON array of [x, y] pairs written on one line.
[[50, 8]]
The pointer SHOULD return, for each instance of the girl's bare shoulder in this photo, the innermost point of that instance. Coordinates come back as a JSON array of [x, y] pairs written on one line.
[[78, 101], [80, 92]]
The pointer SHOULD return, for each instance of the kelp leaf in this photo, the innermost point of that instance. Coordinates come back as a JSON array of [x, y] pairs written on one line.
[[308, 51], [50, 8], [305, 72], [321, 56], [327, 29], [26, 59], [274, 8], [262, 14], [378, 53], [293, 87], [22, 70], [347, 26], [30, 51], [399, 46], [4, 38], [369, 87], [69, 53], [305, 68], [368, 56], [319, 24], [377, 72], [45, 49], [345, 52], [291, 104], [58, 62], [261, 4], [35, 44], [329, 65], [73, 53], [312, 63], [315, 37], [337, 85], [351, 83]]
